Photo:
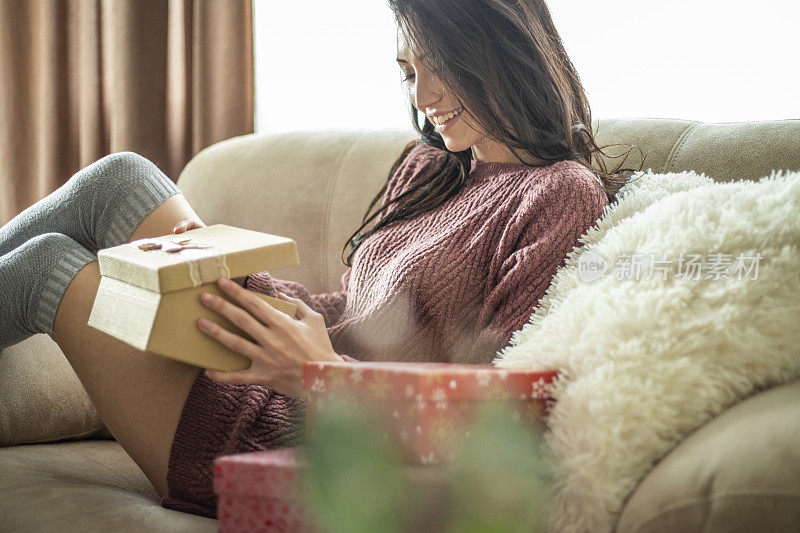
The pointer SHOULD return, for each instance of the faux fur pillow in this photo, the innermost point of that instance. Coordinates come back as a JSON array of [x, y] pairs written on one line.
[[644, 362]]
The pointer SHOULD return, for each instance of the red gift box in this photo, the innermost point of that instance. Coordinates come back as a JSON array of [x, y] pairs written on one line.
[[427, 407], [261, 491]]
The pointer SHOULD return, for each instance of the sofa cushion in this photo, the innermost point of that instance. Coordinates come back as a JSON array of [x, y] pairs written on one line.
[[739, 472], [91, 485], [42, 398]]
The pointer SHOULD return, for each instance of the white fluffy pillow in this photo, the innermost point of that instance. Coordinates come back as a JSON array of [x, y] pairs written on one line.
[[644, 362]]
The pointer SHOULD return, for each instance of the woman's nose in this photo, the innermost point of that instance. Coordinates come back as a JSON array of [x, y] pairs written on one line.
[[427, 92]]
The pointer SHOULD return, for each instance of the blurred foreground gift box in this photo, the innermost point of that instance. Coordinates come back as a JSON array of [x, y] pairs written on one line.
[[261, 491], [426, 408]]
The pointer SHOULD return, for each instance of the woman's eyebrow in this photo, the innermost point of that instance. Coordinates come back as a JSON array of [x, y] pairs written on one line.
[[401, 60]]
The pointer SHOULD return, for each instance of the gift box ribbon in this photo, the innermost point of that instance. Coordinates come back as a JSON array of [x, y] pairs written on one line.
[[208, 267], [202, 271]]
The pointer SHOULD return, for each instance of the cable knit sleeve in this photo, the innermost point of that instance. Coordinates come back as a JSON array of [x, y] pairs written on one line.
[[546, 227], [330, 304]]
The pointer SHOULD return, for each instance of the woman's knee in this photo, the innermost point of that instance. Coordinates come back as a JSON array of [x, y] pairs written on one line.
[[117, 171]]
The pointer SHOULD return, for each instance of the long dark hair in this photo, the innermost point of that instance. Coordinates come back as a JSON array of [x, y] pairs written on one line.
[[493, 54]]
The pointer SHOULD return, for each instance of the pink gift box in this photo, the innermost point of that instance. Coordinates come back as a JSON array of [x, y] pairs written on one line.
[[427, 408], [261, 491]]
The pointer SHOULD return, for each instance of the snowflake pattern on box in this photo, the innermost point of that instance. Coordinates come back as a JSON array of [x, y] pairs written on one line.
[[259, 492], [427, 407]]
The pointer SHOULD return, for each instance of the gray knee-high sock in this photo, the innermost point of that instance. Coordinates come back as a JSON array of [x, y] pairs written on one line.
[[99, 206], [33, 278]]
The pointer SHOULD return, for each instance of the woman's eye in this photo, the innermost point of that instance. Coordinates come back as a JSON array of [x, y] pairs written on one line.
[[407, 78]]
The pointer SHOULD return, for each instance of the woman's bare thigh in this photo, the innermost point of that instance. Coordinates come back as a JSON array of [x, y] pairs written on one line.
[[138, 395]]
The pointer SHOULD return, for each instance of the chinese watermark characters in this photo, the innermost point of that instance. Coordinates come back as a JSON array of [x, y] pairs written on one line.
[[644, 266]]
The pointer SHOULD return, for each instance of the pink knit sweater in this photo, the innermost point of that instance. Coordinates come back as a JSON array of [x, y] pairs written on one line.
[[450, 285], [453, 284]]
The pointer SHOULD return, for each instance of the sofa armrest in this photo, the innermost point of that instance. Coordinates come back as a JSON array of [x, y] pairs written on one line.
[[738, 472]]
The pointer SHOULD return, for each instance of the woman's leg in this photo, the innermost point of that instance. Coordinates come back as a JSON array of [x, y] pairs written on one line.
[[138, 395], [98, 207]]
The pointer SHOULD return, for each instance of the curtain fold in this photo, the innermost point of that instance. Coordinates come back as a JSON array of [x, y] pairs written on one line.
[[80, 79]]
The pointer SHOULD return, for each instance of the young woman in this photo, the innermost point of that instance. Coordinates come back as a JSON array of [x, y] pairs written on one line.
[[475, 218]]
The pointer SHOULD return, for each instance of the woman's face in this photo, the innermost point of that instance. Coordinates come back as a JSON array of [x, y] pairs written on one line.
[[429, 96]]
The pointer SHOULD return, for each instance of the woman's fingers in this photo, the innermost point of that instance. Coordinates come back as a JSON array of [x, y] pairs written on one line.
[[186, 224], [303, 310], [253, 304], [237, 316], [181, 226], [281, 344], [231, 340]]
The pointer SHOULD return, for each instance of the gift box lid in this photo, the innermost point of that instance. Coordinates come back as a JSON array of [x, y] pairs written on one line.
[[426, 381], [196, 257], [273, 473]]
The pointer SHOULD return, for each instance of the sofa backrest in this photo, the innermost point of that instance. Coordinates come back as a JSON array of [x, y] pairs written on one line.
[[724, 151], [315, 186]]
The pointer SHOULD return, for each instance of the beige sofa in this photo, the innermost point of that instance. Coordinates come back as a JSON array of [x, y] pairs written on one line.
[[61, 471]]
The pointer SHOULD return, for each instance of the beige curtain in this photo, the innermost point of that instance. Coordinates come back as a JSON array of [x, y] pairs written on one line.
[[80, 79]]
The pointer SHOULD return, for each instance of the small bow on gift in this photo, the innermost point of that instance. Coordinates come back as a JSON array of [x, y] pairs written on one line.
[[177, 246]]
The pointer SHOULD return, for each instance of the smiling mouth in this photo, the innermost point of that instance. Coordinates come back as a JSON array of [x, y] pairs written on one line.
[[444, 119]]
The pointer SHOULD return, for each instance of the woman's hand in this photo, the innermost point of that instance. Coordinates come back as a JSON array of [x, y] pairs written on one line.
[[186, 224], [190, 223], [282, 345]]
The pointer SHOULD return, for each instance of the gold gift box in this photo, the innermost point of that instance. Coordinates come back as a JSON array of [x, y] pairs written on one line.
[[149, 293]]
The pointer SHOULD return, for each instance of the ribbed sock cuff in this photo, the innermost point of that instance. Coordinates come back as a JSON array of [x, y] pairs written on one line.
[[61, 276], [136, 205]]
